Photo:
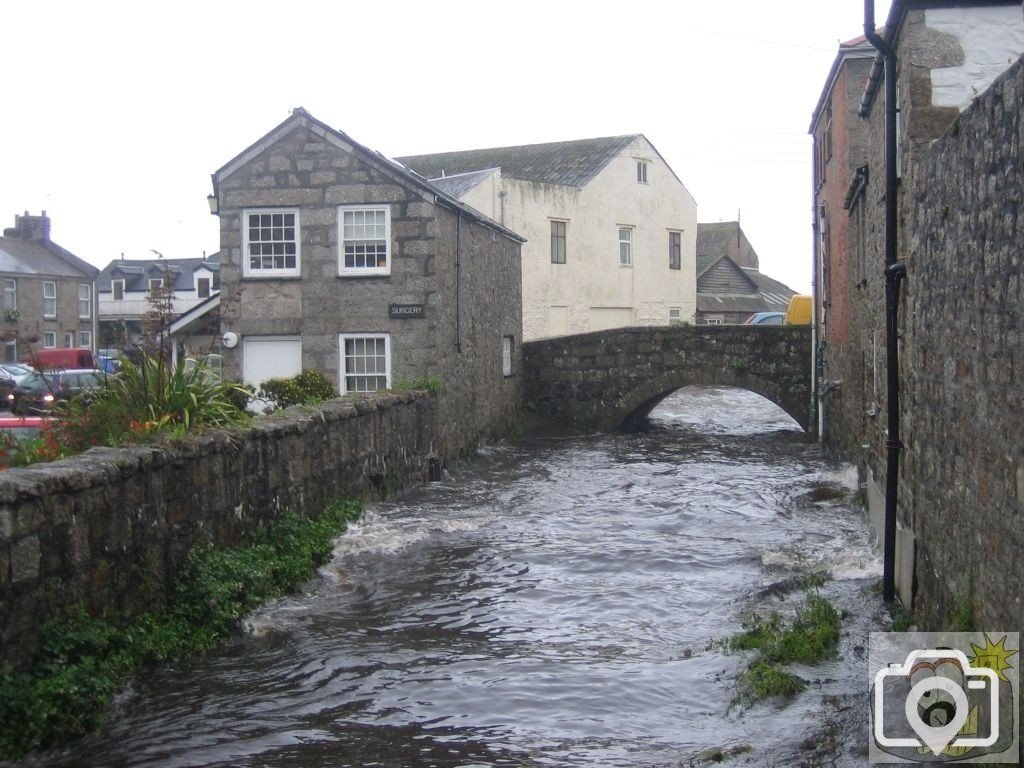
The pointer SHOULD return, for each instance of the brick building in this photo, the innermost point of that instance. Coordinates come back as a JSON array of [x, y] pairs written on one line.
[[335, 258], [840, 263]]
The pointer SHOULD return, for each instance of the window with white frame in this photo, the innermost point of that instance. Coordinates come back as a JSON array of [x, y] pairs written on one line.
[[203, 287], [10, 294], [49, 339], [641, 171], [507, 343], [10, 351], [155, 284], [675, 316], [675, 250], [625, 246], [84, 301], [270, 240], [85, 339], [69, 339], [713, 321], [558, 242], [364, 246], [117, 289], [50, 301], [365, 362]]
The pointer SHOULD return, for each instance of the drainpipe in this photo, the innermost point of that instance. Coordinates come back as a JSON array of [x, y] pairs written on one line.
[[894, 273], [458, 281]]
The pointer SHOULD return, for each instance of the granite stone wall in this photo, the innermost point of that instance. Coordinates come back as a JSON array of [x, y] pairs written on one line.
[[600, 379], [110, 528], [963, 411]]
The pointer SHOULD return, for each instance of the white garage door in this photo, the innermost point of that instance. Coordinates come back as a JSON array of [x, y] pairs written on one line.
[[270, 357]]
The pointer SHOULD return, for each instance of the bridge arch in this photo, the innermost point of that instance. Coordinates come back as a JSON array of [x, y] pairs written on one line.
[[638, 404], [598, 380]]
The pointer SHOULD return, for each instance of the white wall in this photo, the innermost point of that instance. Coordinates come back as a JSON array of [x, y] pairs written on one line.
[[591, 289], [992, 39]]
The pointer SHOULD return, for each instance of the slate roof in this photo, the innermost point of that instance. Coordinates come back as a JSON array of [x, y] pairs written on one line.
[[21, 256], [569, 163], [775, 294], [461, 183], [301, 117], [136, 273], [723, 238], [723, 286]]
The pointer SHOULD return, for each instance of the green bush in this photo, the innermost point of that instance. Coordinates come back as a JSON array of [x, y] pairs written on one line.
[[83, 660], [308, 388], [149, 397]]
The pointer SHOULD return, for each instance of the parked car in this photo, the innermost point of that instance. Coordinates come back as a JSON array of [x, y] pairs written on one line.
[[799, 310], [74, 381], [107, 363], [33, 394], [21, 427], [39, 392], [16, 370], [61, 357], [765, 318]]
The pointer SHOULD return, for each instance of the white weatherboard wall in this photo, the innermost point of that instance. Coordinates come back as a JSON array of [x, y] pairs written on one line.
[[591, 289], [992, 39]]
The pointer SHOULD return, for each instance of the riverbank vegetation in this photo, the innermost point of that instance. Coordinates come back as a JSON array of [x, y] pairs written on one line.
[[810, 637], [84, 660]]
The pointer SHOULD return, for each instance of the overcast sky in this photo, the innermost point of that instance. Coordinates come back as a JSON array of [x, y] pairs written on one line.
[[115, 114]]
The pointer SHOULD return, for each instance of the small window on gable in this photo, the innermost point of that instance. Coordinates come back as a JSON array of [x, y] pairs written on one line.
[[558, 242], [625, 246], [155, 283], [117, 289], [641, 171], [507, 344], [675, 250], [364, 241], [203, 287]]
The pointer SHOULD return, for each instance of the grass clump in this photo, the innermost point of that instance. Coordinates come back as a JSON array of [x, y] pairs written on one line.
[[423, 383], [83, 660], [810, 638]]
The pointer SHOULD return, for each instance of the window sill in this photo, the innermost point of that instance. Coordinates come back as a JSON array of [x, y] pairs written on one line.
[[367, 273]]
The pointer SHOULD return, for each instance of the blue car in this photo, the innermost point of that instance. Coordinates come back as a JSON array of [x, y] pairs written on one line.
[[766, 318]]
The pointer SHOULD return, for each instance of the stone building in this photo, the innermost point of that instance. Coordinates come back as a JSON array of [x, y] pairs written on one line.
[[958, 234], [49, 293], [338, 259], [730, 285], [610, 228]]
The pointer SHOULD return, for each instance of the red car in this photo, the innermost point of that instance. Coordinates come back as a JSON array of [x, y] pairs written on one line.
[[22, 427]]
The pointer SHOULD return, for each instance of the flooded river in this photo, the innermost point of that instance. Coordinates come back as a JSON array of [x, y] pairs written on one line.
[[555, 603]]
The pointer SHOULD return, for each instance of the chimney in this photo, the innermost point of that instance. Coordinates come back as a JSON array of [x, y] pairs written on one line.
[[30, 227]]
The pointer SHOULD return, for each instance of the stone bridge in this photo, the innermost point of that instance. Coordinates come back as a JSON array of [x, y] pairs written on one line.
[[606, 378]]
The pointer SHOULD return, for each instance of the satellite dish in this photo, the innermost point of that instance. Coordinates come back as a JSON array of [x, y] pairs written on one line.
[[230, 339]]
